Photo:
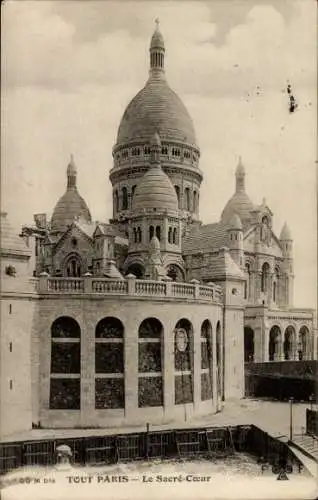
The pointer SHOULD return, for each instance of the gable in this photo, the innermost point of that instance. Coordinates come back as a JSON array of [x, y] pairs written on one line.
[[66, 241], [272, 248]]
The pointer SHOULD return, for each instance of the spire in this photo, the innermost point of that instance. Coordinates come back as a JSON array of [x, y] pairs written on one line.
[[71, 174], [155, 149], [285, 235], [157, 52], [240, 177]]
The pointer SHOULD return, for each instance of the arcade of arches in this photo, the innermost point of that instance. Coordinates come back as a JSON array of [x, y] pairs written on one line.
[[193, 377], [283, 344]]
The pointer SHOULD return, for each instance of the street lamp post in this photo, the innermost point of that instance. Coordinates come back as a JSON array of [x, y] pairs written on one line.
[[291, 400]]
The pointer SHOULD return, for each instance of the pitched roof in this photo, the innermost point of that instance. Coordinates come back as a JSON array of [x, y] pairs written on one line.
[[205, 238], [224, 266]]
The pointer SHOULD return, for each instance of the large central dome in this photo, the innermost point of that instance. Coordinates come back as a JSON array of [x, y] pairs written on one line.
[[156, 108]]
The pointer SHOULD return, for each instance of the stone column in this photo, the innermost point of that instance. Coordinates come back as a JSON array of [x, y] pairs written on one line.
[[131, 368], [196, 367], [87, 371], [168, 368]]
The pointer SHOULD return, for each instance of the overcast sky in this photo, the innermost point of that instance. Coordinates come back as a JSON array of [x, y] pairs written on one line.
[[70, 68]]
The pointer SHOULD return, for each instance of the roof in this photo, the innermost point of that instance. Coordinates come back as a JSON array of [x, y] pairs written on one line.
[[224, 266], [10, 241], [286, 233], [69, 207], [157, 40], [156, 108], [205, 238], [155, 192], [235, 223], [239, 204]]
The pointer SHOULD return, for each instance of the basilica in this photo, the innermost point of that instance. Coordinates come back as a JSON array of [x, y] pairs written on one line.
[[149, 317]]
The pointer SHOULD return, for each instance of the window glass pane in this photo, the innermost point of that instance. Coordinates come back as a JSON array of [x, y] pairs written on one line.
[[109, 393], [206, 386], [65, 394], [150, 357], [150, 392], [65, 358], [183, 389], [109, 358], [109, 327]]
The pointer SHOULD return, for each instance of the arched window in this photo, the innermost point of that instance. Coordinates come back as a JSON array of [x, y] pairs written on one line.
[[133, 191], [65, 376], [158, 232], [170, 235], [116, 201], [174, 238], [183, 362], [175, 273], [164, 150], [289, 343], [265, 277], [178, 194], [187, 198], [276, 285], [274, 346], [109, 364], [248, 344], [124, 198], [73, 267], [151, 232], [304, 344], [247, 282], [195, 201], [147, 150], [150, 352], [139, 235], [206, 361], [137, 270]]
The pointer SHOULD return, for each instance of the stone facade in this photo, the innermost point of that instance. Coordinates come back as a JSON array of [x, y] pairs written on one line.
[[150, 316]]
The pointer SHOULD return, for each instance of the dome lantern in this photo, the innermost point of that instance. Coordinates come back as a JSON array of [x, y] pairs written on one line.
[[157, 52], [240, 177], [71, 173]]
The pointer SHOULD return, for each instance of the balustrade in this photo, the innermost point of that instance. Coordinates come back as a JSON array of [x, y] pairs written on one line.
[[130, 286]]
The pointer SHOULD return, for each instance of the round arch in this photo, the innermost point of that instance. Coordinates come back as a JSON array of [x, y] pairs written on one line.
[[304, 343], [137, 269], [289, 342], [274, 343], [65, 327], [183, 361], [150, 362], [175, 272], [109, 327], [72, 265], [249, 344]]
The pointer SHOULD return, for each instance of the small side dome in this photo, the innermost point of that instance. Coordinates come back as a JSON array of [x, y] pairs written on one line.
[[235, 223], [286, 233], [155, 140], [155, 192]]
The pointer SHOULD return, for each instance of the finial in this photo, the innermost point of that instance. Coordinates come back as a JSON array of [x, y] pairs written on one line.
[[71, 172], [157, 22]]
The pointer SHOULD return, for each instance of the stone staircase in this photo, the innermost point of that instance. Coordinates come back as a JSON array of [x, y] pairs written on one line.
[[308, 445]]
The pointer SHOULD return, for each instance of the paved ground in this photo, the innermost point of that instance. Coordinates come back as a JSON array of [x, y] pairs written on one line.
[[272, 417]]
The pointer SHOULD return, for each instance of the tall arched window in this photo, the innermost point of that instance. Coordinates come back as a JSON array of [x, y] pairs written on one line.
[[73, 267], [151, 232], [247, 282], [195, 202], [265, 277], [116, 201], [274, 346], [65, 376], [109, 364], [248, 344], [174, 238], [178, 194], [206, 361], [170, 235], [135, 235], [150, 352], [289, 343], [133, 191], [139, 234], [183, 362], [187, 198], [124, 198], [304, 344], [276, 286], [158, 232]]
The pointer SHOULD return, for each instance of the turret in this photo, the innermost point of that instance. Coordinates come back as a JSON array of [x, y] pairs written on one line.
[[235, 240], [288, 264]]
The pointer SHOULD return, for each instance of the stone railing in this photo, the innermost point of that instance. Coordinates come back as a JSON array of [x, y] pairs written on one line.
[[129, 287]]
